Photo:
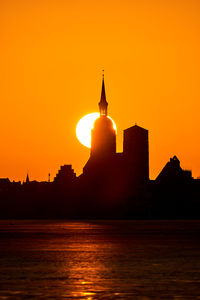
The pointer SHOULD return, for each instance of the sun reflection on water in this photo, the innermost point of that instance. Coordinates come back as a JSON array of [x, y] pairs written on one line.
[[98, 260], [84, 264]]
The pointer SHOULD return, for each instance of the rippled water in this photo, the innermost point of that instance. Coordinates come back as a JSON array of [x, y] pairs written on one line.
[[100, 260]]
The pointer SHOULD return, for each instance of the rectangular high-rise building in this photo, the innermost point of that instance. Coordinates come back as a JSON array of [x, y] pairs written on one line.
[[136, 153]]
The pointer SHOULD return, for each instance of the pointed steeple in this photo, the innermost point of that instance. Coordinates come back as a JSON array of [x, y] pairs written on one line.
[[27, 178], [103, 104]]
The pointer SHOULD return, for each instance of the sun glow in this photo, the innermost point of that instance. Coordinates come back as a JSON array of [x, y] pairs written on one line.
[[84, 127]]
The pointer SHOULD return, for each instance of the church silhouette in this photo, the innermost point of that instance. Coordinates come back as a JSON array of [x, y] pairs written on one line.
[[112, 185], [132, 163], [112, 175]]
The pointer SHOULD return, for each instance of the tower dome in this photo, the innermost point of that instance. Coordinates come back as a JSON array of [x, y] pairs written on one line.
[[103, 122]]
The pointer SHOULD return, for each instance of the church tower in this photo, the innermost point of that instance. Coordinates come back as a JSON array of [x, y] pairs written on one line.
[[103, 135], [136, 153], [103, 141]]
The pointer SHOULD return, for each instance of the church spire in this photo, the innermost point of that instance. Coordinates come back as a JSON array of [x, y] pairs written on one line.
[[27, 178], [103, 104]]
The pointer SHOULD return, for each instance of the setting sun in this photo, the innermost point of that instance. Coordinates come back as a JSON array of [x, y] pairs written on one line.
[[84, 127]]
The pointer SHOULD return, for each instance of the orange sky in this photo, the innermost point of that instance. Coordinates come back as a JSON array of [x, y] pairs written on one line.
[[51, 57]]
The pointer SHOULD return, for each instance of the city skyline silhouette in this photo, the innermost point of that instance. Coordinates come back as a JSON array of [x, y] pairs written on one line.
[[51, 58], [101, 136], [112, 185], [100, 149]]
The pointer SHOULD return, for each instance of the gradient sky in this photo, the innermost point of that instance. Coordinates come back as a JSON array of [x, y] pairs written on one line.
[[51, 57]]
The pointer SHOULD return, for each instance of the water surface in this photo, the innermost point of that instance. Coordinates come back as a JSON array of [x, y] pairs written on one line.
[[100, 260]]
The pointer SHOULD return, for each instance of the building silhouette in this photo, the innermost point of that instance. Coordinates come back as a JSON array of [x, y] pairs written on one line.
[[112, 185], [103, 141], [136, 153], [103, 135], [27, 178], [124, 169], [65, 175], [172, 172]]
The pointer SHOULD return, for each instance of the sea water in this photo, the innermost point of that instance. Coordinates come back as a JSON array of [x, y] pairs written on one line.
[[100, 260]]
